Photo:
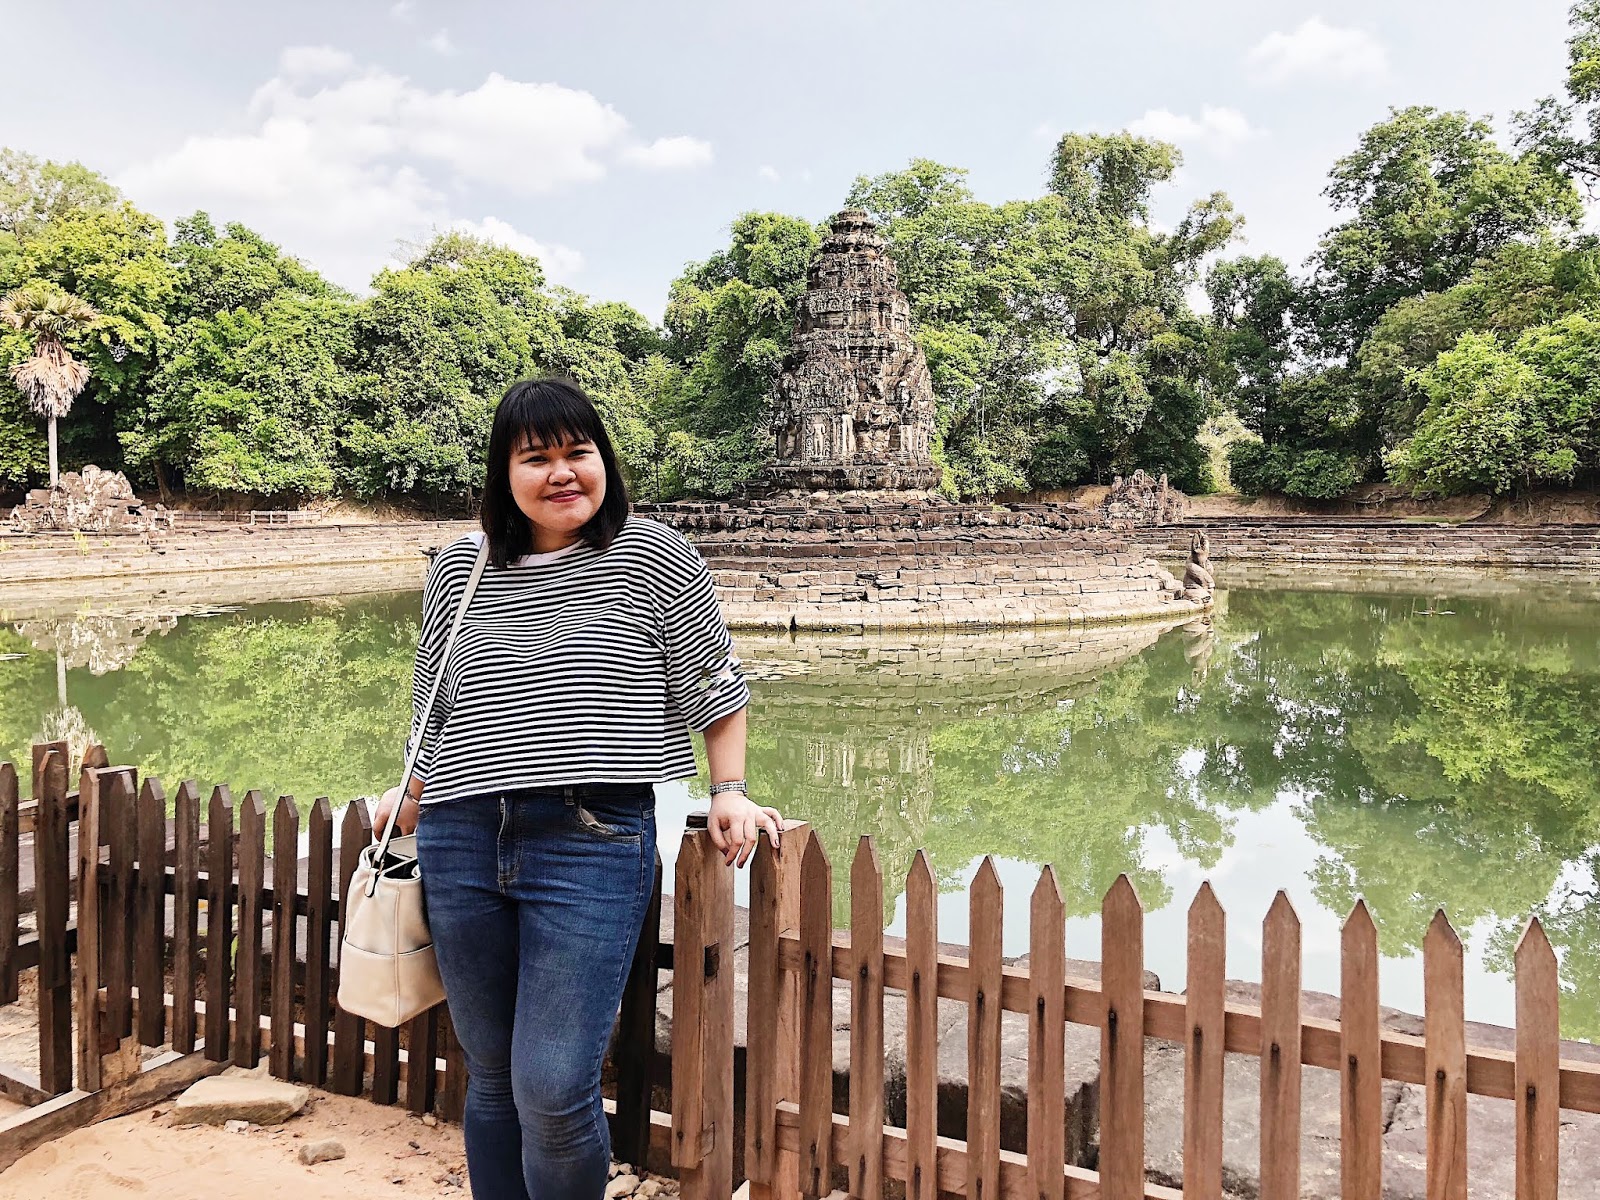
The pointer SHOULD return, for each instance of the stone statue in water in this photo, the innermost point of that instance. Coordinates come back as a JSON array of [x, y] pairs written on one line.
[[1198, 580]]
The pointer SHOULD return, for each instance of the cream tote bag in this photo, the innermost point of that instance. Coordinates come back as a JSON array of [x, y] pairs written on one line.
[[387, 969]]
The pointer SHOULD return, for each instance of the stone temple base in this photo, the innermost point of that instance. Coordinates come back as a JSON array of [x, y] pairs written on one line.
[[869, 567], [844, 477]]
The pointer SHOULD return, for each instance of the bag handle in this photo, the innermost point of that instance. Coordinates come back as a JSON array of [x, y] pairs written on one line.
[[427, 711]]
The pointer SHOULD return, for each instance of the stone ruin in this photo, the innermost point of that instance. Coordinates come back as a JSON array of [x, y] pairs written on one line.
[[853, 409], [1142, 500], [93, 501]]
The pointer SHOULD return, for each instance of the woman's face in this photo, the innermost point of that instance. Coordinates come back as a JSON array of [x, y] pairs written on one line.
[[558, 488]]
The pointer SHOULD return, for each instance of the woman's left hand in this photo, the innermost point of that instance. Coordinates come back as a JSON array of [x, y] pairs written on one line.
[[735, 824]]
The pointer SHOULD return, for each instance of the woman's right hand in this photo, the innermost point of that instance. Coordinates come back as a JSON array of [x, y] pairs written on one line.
[[409, 811]]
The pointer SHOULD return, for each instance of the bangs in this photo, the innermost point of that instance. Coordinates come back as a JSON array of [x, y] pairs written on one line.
[[549, 416]]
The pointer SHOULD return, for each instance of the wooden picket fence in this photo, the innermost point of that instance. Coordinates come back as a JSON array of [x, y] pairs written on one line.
[[160, 1002], [118, 887], [796, 1144]]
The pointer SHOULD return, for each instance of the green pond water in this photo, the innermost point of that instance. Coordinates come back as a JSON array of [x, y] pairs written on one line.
[[1420, 750]]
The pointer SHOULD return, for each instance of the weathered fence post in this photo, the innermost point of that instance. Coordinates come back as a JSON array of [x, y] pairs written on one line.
[[52, 884], [285, 887], [772, 1044], [636, 1038], [702, 1020], [1444, 1009], [104, 794], [247, 985], [816, 1021], [1122, 1043], [866, 1023], [10, 883]]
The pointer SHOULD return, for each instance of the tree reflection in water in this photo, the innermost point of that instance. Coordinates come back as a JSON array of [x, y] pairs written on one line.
[[1434, 760]]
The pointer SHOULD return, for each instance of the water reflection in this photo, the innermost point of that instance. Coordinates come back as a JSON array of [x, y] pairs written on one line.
[[1420, 753]]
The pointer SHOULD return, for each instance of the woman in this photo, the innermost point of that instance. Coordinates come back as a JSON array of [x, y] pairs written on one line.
[[592, 646]]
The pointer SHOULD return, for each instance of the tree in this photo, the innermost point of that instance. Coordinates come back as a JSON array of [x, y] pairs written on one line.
[[1546, 131], [435, 346], [50, 378], [252, 402], [1501, 419], [1431, 194], [1056, 329], [237, 268], [34, 192], [729, 321]]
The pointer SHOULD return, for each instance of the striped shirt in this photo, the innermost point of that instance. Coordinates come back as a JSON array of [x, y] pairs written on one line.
[[576, 666]]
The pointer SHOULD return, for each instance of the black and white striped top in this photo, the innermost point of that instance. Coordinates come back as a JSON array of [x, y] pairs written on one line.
[[577, 666]]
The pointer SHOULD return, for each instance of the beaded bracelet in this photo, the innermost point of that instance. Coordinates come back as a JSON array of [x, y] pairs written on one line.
[[730, 785]]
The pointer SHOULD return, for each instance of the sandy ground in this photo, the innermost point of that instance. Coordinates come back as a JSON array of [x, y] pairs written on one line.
[[389, 1153]]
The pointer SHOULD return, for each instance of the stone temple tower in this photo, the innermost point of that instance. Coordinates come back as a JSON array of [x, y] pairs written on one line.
[[853, 409]]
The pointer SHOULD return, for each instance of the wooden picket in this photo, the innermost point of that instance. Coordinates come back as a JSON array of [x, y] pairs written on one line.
[[1205, 1011], [1361, 1082], [219, 924], [285, 868], [1047, 1027], [248, 985], [983, 1034], [1280, 1052], [1122, 1043], [319, 929], [185, 914], [866, 1023], [1444, 1002], [10, 881], [922, 1029], [816, 1022]]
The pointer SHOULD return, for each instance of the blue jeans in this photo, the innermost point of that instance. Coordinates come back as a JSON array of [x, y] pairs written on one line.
[[535, 899]]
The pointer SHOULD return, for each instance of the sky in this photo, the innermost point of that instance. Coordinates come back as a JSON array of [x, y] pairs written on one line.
[[618, 141]]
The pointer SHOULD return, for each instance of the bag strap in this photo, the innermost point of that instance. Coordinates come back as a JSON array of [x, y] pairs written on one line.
[[433, 696]]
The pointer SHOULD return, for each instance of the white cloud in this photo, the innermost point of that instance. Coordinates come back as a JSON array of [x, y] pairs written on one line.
[[440, 43], [404, 10], [312, 62], [1218, 129], [769, 173], [1318, 51], [669, 154], [341, 160], [1045, 131], [560, 263]]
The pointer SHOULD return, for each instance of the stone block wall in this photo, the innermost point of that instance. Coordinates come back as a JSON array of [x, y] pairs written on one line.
[[859, 568], [840, 567], [1380, 543]]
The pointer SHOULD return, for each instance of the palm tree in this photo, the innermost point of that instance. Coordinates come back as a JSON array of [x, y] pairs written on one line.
[[51, 378]]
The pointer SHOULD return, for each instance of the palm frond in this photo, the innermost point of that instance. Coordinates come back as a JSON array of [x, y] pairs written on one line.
[[50, 380], [45, 310]]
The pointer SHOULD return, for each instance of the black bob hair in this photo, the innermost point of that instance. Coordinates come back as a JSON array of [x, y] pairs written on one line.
[[549, 411]]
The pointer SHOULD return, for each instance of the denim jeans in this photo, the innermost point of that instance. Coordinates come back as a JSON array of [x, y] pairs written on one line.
[[535, 899]]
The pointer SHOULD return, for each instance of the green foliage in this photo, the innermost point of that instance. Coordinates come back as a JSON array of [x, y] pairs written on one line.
[[1501, 418], [252, 402], [1431, 195], [237, 268], [729, 320], [35, 192], [1055, 329], [435, 346]]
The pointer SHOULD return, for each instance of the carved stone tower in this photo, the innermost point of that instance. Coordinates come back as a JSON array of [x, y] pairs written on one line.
[[853, 409]]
